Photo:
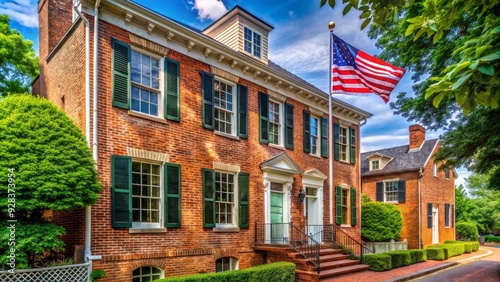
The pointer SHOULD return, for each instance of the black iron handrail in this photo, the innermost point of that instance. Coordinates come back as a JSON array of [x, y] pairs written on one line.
[[291, 235], [333, 234]]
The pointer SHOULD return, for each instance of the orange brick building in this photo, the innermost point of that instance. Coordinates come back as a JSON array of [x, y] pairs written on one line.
[[199, 139], [408, 177]]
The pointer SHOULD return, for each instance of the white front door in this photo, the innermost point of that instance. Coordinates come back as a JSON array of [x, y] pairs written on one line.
[[313, 210], [435, 224]]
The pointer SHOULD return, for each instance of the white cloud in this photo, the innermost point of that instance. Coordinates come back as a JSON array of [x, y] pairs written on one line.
[[22, 11], [208, 9]]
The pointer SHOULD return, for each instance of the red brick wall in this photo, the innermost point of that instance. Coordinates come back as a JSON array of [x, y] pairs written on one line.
[[436, 190], [187, 144]]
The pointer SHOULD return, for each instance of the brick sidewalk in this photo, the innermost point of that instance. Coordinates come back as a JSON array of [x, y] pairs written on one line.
[[393, 274]]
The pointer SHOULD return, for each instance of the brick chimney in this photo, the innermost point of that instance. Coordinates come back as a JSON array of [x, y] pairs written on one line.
[[417, 136]]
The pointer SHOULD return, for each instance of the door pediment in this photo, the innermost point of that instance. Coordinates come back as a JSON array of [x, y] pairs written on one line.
[[282, 164]]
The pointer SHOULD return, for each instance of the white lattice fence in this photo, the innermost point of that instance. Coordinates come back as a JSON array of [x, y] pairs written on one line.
[[65, 273]]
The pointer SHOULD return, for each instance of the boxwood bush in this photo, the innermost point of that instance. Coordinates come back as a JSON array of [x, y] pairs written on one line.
[[378, 262], [399, 258], [451, 250], [276, 272], [468, 246], [466, 231], [417, 255], [380, 222], [434, 253]]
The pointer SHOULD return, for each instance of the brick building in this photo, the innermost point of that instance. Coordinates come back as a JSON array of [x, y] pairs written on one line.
[[408, 177], [199, 139]]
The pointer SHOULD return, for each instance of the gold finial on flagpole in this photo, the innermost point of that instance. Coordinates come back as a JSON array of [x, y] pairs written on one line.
[[331, 26]]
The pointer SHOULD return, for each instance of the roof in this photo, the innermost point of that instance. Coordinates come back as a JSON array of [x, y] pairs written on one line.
[[403, 159]]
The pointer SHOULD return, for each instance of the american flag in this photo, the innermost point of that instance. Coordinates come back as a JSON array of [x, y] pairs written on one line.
[[355, 72]]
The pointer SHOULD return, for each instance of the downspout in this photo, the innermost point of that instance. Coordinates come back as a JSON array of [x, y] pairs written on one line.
[[360, 184], [96, 61], [419, 211]]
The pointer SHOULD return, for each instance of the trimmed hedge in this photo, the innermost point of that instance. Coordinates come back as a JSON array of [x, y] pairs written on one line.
[[399, 258], [450, 250], [381, 222], [417, 255], [434, 253], [492, 238], [276, 272], [378, 262], [468, 246]]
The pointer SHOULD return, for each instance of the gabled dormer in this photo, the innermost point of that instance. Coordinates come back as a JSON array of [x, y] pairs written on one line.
[[378, 161], [243, 32]]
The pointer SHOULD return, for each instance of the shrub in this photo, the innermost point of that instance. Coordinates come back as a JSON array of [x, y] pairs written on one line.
[[380, 222], [475, 246], [278, 271], [435, 253], [466, 231], [417, 255], [451, 250], [467, 245], [492, 239], [399, 258], [378, 262]]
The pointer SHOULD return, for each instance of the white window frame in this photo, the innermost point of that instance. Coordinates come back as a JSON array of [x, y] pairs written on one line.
[[160, 89], [449, 217], [233, 263], [235, 207], [347, 205], [159, 224], [372, 162], [234, 106], [434, 169], [280, 124], [316, 138], [343, 145], [447, 173], [396, 181], [252, 44], [150, 276]]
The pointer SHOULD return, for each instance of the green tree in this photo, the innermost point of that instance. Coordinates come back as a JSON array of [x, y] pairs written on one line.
[[471, 77], [485, 203], [45, 165], [463, 206], [18, 62]]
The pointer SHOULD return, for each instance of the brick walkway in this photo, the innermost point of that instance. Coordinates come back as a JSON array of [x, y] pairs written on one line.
[[393, 274]]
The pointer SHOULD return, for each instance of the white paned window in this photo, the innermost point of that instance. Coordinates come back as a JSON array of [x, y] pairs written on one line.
[[391, 191], [224, 94], [375, 164], [145, 77], [275, 123], [345, 206], [225, 199], [226, 263], [314, 130], [344, 143], [146, 274], [146, 195], [252, 42]]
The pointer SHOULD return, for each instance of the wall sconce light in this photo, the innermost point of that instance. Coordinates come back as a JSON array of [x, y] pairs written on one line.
[[302, 195]]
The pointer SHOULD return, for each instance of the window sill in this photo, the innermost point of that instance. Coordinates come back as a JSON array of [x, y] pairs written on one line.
[[277, 146], [345, 225], [146, 230], [148, 117], [226, 230], [391, 202], [315, 156], [227, 135]]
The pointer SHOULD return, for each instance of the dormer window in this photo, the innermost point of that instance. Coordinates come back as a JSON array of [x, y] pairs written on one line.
[[252, 42], [375, 164]]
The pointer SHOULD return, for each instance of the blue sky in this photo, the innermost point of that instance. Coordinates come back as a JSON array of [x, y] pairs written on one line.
[[299, 43]]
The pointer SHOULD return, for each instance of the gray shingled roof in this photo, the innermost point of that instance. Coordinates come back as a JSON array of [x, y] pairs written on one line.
[[403, 160]]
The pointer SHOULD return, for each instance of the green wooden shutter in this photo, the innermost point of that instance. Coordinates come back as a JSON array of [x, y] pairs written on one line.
[[242, 111], [289, 126], [121, 192], [401, 191], [338, 205], [172, 89], [429, 215], [336, 139], [324, 137], [172, 192], [207, 92], [354, 216], [380, 191], [307, 132], [446, 215], [208, 197], [121, 74], [244, 213], [352, 152], [264, 117]]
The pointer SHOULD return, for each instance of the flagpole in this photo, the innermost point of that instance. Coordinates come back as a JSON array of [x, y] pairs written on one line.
[[331, 26]]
